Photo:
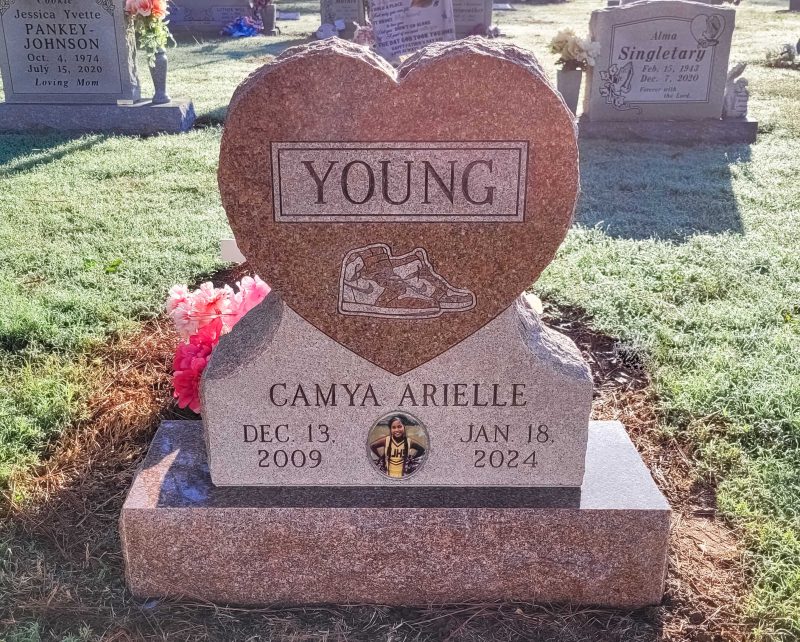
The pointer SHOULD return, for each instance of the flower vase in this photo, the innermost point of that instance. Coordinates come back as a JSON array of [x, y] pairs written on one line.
[[568, 82], [158, 71]]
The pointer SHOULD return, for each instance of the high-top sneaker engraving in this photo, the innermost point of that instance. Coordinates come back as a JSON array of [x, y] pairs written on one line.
[[375, 283], [450, 299]]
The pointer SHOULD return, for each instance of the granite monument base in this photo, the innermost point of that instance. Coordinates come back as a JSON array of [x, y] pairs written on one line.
[[602, 544], [706, 132], [140, 118]]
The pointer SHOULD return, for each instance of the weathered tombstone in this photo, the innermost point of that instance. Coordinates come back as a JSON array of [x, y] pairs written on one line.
[[206, 17], [71, 66], [350, 11], [402, 27], [472, 17], [395, 365], [662, 61]]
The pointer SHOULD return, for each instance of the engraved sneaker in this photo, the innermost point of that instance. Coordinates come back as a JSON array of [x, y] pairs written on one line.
[[435, 286], [369, 286], [374, 283]]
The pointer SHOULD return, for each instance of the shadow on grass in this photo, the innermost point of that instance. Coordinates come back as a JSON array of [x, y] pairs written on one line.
[[214, 48], [643, 191], [23, 152]]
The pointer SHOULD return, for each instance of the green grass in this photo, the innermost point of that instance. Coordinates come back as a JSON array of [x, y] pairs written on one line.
[[687, 253], [92, 233]]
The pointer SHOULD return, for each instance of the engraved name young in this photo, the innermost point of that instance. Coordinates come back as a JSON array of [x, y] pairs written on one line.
[[425, 182]]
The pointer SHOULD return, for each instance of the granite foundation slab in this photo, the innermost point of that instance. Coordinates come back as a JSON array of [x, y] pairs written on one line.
[[714, 131], [602, 544], [141, 118]]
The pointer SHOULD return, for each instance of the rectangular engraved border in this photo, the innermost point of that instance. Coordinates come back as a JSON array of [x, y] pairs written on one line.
[[658, 101], [517, 216]]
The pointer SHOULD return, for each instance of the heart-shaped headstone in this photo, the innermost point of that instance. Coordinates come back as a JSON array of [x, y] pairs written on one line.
[[399, 211]]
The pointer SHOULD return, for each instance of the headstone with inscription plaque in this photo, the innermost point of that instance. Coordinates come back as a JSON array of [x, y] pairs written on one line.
[[71, 65], [405, 26], [661, 73], [395, 385], [77, 51], [205, 17]]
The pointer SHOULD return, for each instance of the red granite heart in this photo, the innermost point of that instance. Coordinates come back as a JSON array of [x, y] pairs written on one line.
[[399, 212]]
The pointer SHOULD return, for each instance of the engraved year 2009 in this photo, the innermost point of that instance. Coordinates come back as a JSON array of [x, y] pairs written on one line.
[[291, 446], [281, 458]]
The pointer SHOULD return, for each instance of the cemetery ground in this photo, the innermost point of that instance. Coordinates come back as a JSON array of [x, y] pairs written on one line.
[[686, 256]]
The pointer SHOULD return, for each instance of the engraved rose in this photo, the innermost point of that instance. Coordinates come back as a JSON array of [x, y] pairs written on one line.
[[615, 83]]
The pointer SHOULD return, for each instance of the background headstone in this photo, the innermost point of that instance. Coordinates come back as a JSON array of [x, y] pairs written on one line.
[[71, 52], [472, 17], [206, 16], [403, 26], [660, 60], [348, 10]]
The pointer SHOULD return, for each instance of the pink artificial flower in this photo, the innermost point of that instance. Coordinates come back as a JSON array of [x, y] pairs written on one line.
[[201, 318], [178, 295], [179, 308], [190, 361], [252, 291], [139, 7], [209, 303]]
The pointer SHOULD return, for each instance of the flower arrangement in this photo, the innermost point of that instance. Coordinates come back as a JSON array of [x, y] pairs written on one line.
[[243, 27], [201, 317], [149, 18], [574, 52], [785, 56]]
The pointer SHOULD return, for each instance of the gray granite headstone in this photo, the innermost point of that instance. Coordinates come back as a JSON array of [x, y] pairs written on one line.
[[67, 51], [206, 16], [660, 60], [351, 11], [472, 17], [285, 405]]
